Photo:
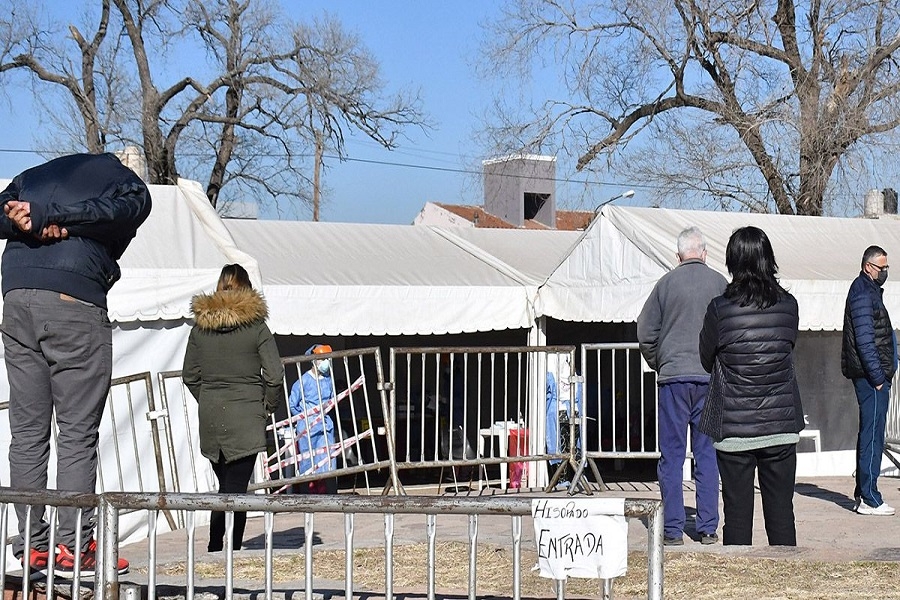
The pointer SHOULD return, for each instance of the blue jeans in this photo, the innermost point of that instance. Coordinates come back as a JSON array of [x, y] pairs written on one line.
[[680, 406], [873, 406]]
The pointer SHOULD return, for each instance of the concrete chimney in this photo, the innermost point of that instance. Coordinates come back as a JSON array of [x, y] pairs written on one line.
[[521, 187]]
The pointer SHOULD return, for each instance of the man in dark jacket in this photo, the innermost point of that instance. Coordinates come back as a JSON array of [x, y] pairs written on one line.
[[668, 329], [66, 223], [869, 358]]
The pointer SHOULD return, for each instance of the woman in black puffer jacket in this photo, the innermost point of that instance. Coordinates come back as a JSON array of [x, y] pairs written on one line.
[[753, 411]]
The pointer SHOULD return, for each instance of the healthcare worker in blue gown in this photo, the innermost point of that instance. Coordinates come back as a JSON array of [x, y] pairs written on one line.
[[560, 410], [315, 389]]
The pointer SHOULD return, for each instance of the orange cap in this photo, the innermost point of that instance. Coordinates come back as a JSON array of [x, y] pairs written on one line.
[[322, 349]]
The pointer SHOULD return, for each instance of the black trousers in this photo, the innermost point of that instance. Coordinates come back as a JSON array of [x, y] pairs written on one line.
[[776, 468], [234, 477]]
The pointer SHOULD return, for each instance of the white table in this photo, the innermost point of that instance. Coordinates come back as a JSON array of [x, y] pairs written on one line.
[[501, 431], [816, 437]]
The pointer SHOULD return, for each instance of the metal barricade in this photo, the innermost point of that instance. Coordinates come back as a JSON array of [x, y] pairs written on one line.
[[129, 399], [465, 410], [174, 426], [127, 396], [433, 508], [332, 425], [110, 505], [620, 420], [51, 500], [892, 426]]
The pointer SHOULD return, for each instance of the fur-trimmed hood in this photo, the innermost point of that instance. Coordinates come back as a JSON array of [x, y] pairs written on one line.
[[228, 309]]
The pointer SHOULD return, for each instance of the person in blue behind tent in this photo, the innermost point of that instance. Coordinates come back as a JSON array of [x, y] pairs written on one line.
[[559, 372], [315, 389]]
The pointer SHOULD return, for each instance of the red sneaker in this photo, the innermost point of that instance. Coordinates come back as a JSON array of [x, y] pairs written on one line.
[[65, 561], [37, 562]]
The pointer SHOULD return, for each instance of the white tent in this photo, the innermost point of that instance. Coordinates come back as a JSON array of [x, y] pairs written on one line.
[[610, 272], [352, 279], [178, 252], [614, 266]]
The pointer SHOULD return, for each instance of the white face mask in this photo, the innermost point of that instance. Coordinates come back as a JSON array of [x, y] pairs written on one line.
[[324, 366]]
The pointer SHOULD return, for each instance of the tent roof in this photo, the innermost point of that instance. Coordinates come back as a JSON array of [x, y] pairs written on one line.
[[179, 251], [532, 254], [613, 268], [358, 279]]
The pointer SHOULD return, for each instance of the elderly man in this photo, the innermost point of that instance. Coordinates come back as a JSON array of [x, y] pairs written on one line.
[[668, 330]]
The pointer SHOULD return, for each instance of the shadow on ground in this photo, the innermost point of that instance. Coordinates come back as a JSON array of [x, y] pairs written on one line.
[[811, 490], [287, 539]]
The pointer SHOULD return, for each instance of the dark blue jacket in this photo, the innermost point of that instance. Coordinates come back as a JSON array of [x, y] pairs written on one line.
[[98, 200], [868, 344]]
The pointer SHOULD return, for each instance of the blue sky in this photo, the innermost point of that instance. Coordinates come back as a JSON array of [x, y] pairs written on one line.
[[426, 45], [434, 47]]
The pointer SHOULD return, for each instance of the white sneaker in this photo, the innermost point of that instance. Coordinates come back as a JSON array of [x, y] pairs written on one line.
[[882, 510]]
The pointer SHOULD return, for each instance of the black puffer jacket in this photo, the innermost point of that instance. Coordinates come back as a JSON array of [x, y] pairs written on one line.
[[757, 390]]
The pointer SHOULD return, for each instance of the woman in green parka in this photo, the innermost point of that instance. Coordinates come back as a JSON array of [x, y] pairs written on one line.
[[233, 369]]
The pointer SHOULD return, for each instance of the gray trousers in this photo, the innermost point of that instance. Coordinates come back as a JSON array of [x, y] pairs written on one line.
[[58, 353]]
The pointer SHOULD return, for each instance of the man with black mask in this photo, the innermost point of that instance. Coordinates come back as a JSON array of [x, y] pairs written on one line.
[[869, 359]]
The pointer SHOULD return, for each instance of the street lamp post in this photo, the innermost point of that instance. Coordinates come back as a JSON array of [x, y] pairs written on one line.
[[627, 194]]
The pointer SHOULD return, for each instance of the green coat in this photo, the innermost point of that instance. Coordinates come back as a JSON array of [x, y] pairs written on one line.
[[233, 369]]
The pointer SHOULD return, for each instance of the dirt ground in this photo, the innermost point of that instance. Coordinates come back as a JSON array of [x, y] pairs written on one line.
[[686, 575]]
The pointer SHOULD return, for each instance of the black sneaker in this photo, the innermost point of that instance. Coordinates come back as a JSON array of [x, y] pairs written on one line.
[[673, 541], [709, 538]]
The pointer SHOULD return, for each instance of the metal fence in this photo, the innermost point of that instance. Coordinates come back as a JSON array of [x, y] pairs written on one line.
[[620, 419], [468, 416], [332, 425], [892, 426], [477, 414], [176, 419], [111, 504]]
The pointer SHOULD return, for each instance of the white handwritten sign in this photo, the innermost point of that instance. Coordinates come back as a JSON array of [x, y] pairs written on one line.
[[580, 537]]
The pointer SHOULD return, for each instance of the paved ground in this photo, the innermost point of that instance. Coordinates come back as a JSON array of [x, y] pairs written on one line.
[[827, 530]]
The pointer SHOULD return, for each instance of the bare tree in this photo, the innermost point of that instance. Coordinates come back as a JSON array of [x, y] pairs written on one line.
[[756, 102], [34, 45], [248, 119]]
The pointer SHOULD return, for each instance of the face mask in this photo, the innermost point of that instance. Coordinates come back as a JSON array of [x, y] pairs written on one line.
[[324, 366], [881, 278]]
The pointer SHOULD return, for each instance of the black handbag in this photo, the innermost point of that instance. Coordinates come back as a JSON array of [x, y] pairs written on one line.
[[714, 408]]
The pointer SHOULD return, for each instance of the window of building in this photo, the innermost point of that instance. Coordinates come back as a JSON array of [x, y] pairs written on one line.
[[533, 204]]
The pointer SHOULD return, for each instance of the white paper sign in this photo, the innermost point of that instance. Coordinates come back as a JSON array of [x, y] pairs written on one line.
[[580, 537]]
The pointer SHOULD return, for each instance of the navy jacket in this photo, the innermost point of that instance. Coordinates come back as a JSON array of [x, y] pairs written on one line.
[[755, 384], [868, 342], [98, 200]]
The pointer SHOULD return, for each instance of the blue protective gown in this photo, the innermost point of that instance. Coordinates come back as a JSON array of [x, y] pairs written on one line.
[[305, 395], [555, 405]]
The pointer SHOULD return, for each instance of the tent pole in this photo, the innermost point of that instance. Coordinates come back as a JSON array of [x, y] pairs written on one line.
[[537, 404]]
